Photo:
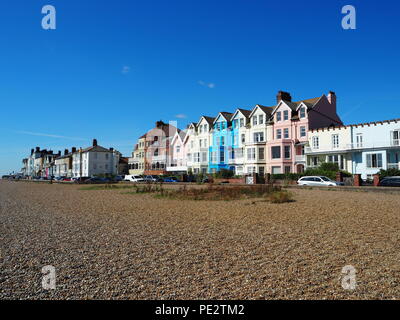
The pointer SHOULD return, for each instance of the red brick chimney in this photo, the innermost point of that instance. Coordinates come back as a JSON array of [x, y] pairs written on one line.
[[283, 95]]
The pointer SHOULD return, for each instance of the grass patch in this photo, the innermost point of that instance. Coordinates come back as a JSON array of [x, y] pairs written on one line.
[[227, 193], [106, 187]]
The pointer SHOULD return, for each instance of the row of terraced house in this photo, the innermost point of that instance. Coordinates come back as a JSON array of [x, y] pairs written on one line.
[[285, 138]]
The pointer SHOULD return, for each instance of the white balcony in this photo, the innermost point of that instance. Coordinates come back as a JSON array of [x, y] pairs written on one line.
[[177, 168], [300, 158], [393, 166]]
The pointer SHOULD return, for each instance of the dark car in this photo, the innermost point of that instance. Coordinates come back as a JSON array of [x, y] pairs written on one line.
[[98, 180], [81, 179], [390, 182], [171, 179]]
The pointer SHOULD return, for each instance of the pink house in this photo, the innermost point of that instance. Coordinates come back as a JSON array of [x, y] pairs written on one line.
[[177, 153], [290, 122]]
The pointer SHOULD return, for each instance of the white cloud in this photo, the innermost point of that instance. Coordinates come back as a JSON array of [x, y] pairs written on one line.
[[49, 135], [125, 69], [205, 84], [181, 116]]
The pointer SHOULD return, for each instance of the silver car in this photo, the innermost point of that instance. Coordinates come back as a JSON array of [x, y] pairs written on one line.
[[317, 181]]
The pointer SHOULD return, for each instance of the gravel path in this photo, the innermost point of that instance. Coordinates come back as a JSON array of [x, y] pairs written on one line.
[[106, 244]]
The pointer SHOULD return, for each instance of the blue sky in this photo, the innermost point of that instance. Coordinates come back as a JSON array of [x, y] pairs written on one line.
[[113, 68]]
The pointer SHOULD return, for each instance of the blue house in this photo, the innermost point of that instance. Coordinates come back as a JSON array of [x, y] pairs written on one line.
[[221, 143]]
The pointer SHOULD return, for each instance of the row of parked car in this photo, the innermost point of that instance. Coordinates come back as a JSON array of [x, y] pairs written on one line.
[[325, 181], [131, 178]]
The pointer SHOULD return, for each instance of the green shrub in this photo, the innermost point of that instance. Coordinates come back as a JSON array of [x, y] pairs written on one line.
[[389, 173]]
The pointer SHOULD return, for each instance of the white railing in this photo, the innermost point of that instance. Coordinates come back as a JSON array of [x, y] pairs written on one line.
[[393, 166], [300, 158]]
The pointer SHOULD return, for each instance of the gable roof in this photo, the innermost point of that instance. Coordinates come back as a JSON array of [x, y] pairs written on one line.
[[244, 112], [266, 110], [227, 116], [210, 120], [294, 105], [95, 149]]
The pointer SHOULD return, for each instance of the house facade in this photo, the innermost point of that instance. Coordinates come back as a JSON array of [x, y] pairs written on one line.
[[197, 145], [136, 163], [239, 136], [359, 149], [157, 146], [255, 139], [291, 122], [330, 144], [94, 160], [221, 143], [177, 154], [63, 165]]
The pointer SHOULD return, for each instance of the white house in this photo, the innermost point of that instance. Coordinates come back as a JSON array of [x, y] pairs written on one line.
[[95, 160]]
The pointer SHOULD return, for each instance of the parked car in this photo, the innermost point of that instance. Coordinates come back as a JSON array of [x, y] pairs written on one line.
[[317, 181], [66, 179], [98, 180], [133, 178], [119, 178], [80, 179], [152, 178], [171, 179], [390, 182], [59, 178]]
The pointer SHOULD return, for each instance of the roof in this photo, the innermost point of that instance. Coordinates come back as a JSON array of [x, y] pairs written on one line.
[[182, 134], [356, 125], [210, 120], [226, 115], [96, 149]]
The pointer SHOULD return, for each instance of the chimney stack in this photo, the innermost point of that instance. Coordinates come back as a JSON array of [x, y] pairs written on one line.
[[332, 98], [37, 149], [59, 153], [32, 151], [112, 149], [73, 149], [65, 152], [160, 124], [283, 95], [94, 142]]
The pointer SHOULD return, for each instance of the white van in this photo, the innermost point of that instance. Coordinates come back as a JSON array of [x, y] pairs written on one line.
[[133, 178]]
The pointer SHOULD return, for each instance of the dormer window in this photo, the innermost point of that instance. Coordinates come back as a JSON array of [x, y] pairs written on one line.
[[254, 120], [302, 112], [285, 115]]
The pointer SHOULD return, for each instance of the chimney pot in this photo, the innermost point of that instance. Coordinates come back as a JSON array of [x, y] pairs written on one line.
[[65, 152], [73, 149], [283, 95], [94, 142]]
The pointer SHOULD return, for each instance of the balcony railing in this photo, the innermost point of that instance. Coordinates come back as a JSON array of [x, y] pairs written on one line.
[[300, 158], [393, 166]]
